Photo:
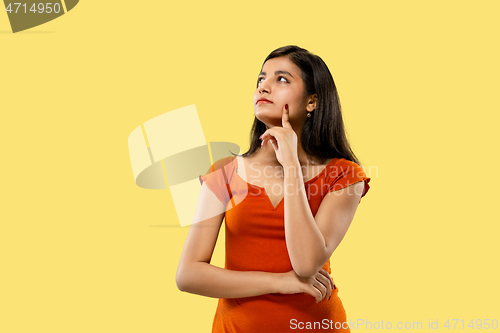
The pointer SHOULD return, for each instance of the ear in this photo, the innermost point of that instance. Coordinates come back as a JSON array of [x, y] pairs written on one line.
[[311, 103]]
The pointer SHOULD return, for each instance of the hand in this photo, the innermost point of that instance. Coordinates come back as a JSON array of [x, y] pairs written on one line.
[[283, 139], [319, 285]]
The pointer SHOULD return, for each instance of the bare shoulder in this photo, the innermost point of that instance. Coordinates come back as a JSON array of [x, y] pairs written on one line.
[[220, 163]]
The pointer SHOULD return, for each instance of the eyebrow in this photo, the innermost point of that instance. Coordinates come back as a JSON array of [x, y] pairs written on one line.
[[276, 73]]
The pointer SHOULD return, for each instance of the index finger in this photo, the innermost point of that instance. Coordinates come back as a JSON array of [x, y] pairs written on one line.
[[285, 116]]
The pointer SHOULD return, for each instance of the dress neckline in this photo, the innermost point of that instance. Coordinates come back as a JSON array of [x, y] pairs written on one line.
[[235, 160]]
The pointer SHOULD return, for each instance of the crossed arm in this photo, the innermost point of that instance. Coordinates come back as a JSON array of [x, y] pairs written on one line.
[[309, 244], [311, 240]]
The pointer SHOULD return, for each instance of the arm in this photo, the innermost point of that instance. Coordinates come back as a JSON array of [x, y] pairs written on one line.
[[311, 240], [196, 275]]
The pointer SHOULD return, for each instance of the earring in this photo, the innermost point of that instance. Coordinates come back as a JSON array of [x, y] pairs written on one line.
[[309, 114]]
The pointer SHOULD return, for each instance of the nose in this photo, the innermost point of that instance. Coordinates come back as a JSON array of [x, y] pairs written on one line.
[[264, 87]]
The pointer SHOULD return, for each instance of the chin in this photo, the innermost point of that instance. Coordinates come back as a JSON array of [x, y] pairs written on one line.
[[267, 111]]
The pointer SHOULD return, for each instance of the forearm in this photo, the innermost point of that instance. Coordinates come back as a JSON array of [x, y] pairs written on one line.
[[204, 279], [305, 243]]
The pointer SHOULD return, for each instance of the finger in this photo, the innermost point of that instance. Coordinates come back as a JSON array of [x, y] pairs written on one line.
[[316, 293], [270, 137], [263, 137], [329, 277], [274, 143], [285, 117], [322, 288], [326, 282], [266, 136]]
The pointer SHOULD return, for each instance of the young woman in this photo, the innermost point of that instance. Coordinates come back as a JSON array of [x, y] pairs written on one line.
[[284, 215]]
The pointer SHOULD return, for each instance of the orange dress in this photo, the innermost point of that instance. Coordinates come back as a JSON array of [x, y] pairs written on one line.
[[255, 241]]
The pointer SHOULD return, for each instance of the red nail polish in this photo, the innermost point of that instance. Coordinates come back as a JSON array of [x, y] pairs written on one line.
[[286, 106]]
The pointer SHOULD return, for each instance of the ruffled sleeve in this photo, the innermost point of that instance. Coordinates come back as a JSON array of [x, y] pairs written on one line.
[[345, 173], [217, 181]]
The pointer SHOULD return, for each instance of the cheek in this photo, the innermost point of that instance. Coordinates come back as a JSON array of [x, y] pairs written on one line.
[[285, 95], [296, 99]]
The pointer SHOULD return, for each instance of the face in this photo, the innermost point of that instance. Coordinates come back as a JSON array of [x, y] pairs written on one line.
[[280, 83]]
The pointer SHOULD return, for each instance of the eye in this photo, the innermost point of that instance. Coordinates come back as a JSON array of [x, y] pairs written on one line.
[[282, 77]]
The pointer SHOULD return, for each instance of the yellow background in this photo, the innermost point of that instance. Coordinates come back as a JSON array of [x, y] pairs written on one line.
[[83, 249]]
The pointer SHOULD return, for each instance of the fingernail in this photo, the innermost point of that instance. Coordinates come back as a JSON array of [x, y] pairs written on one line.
[[286, 106]]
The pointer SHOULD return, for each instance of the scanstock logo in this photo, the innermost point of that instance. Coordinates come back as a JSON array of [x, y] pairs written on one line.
[[28, 14]]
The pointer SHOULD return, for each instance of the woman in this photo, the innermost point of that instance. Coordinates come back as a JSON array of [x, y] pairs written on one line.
[[286, 215]]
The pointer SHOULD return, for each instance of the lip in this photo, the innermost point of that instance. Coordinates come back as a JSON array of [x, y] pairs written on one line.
[[263, 101]]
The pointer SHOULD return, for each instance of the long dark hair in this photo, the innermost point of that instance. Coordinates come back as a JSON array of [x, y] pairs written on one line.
[[323, 135]]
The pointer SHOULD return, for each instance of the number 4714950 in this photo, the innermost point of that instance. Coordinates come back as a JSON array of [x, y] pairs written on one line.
[[41, 8], [485, 323]]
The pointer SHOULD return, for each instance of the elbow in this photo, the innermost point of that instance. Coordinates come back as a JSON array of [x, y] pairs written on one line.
[[188, 277], [181, 280], [305, 271], [309, 267], [180, 284]]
